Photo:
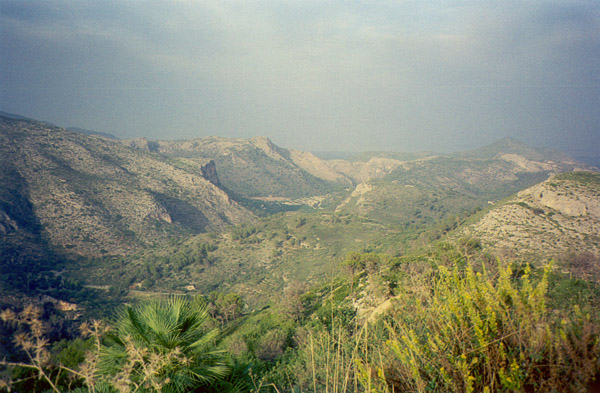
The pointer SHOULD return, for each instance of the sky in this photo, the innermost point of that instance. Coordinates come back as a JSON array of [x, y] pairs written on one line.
[[338, 75]]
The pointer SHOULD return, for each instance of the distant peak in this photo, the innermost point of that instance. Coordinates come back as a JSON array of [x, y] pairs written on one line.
[[261, 139], [12, 116], [508, 140], [262, 142], [510, 145]]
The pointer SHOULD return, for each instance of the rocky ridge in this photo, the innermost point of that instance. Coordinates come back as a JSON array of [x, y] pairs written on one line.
[[254, 167], [557, 216], [91, 195]]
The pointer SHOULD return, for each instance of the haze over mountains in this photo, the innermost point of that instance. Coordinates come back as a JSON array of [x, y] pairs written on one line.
[[68, 195], [284, 197]]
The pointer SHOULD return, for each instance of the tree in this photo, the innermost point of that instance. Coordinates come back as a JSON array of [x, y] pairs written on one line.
[[162, 346], [225, 306], [291, 303]]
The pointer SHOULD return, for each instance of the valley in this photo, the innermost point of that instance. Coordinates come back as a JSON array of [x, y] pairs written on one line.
[[277, 241], [136, 210]]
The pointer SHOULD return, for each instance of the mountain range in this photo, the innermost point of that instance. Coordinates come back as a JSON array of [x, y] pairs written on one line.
[[198, 215]]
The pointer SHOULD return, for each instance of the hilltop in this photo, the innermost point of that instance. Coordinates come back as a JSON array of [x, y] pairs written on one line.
[[558, 218]]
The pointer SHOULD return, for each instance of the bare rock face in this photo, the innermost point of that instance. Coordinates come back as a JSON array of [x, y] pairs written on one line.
[[209, 171], [141, 144], [526, 165], [566, 202], [358, 194], [7, 224]]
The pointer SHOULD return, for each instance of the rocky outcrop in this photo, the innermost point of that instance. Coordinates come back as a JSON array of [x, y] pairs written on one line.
[[557, 216], [141, 144], [7, 224], [526, 165], [357, 196], [209, 171]]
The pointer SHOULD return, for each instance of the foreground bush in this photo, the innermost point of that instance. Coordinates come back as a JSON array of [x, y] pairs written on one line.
[[477, 333], [158, 346]]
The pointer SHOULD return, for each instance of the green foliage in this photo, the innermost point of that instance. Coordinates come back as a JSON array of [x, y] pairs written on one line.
[[163, 346], [476, 333], [243, 234], [72, 353], [590, 179], [225, 306]]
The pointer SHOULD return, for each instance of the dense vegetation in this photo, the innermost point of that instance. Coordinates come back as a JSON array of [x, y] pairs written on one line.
[[456, 319]]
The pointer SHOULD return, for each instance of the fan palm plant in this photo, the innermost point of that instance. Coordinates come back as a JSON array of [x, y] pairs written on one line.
[[162, 346]]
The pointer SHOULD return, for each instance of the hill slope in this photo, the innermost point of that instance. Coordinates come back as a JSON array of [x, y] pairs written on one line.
[[550, 219], [86, 195], [255, 167]]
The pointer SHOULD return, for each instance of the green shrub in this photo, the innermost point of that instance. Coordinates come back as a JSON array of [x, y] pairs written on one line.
[[479, 333]]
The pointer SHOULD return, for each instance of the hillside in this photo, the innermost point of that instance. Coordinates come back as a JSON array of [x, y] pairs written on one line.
[[256, 261], [555, 218], [157, 216], [512, 146], [89, 196], [429, 190], [255, 167], [404, 206], [375, 249]]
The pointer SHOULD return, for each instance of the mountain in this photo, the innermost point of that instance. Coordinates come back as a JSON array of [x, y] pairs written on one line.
[[255, 167], [509, 145], [19, 117], [86, 195], [164, 215], [555, 218], [404, 206], [91, 132], [431, 189]]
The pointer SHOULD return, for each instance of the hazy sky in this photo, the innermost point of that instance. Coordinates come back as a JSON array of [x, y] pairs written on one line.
[[311, 75]]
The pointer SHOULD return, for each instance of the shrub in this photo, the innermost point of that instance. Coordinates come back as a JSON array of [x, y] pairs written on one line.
[[477, 333]]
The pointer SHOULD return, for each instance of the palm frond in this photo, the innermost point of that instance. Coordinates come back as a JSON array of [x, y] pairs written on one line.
[[169, 338]]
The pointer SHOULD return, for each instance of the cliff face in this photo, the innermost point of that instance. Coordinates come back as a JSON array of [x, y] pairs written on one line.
[[209, 171], [93, 196]]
